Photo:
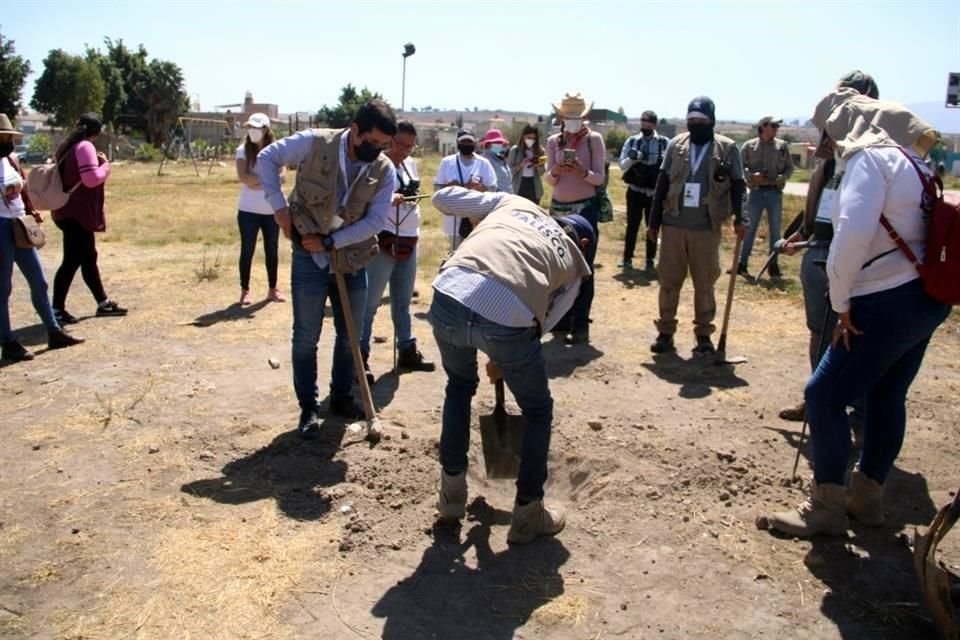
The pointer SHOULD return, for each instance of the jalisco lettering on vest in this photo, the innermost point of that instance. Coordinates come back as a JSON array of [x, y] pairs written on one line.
[[519, 245]]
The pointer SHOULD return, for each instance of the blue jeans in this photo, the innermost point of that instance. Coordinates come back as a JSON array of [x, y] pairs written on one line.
[[516, 351], [757, 201], [402, 276], [250, 225], [28, 260], [310, 287], [813, 277], [579, 314], [881, 365]]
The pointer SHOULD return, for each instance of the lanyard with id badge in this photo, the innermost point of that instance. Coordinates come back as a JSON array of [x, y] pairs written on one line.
[[691, 190]]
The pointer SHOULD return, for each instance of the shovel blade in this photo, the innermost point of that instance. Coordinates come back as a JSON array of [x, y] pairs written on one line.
[[502, 438]]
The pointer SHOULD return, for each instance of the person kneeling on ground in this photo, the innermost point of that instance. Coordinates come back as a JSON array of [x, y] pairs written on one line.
[[885, 318], [510, 281]]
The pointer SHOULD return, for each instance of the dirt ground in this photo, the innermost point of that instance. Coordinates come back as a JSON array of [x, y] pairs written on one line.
[[151, 487]]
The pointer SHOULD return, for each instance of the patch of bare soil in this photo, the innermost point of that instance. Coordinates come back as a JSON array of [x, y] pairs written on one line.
[[151, 487]]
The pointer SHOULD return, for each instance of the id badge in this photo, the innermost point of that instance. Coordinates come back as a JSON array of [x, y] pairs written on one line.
[[828, 200], [691, 194]]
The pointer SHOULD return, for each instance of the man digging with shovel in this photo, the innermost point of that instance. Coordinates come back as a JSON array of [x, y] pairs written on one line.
[[511, 280]]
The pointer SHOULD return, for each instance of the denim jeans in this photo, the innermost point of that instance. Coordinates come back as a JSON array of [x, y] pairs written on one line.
[[28, 260], [402, 276], [881, 365], [758, 200], [460, 333], [310, 287], [250, 225], [579, 315]]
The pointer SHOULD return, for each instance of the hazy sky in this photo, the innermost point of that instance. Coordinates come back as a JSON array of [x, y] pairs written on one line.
[[752, 58]]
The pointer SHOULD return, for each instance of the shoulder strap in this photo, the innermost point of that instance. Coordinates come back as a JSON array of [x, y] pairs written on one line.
[[929, 185], [897, 240], [459, 172]]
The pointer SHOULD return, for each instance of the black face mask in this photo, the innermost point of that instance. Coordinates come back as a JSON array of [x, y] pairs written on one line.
[[6, 148], [700, 133], [366, 151], [466, 149], [646, 132]]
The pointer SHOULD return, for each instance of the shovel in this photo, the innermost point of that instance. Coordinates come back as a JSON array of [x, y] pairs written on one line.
[[502, 438], [720, 358], [374, 430]]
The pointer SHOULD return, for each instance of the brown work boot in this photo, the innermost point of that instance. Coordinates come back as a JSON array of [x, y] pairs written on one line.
[[822, 512], [865, 500], [452, 496], [795, 413], [532, 520]]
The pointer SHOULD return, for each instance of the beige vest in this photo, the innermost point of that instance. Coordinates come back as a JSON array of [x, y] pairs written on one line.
[[519, 245], [718, 195], [314, 203]]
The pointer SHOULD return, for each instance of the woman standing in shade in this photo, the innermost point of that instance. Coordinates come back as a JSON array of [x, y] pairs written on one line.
[[527, 161], [254, 215], [84, 172]]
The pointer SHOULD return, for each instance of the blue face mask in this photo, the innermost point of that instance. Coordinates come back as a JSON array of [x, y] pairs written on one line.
[[496, 149]]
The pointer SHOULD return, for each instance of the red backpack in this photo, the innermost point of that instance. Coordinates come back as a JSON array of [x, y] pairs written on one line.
[[940, 269]]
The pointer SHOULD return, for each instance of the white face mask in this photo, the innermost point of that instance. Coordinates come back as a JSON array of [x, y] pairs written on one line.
[[529, 142], [573, 125], [255, 135]]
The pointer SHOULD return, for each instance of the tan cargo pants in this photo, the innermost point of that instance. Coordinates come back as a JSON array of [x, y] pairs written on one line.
[[699, 252]]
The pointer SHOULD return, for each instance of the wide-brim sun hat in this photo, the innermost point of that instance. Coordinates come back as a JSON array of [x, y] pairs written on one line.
[[6, 127], [573, 106]]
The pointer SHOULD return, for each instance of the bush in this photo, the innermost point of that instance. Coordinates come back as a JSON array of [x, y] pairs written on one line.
[[614, 140], [147, 153], [40, 143]]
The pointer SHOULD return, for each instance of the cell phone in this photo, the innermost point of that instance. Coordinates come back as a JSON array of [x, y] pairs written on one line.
[[569, 155]]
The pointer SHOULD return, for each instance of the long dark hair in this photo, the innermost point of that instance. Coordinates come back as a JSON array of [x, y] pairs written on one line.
[[251, 149], [88, 126], [537, 149]]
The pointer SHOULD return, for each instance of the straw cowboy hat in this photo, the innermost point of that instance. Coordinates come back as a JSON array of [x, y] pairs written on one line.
[[573, 106], [7, 128]]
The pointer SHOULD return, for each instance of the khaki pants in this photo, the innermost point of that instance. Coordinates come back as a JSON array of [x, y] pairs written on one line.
[[699, 252]]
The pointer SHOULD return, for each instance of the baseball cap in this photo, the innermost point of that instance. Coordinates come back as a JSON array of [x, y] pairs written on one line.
[[702, 107], [466, 135], [257, 120], [769, 120]]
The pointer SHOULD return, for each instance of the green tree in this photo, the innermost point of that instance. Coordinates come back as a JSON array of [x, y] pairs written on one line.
[[164, 99], [13, 74], [621, 111], [115, 95], [40, 143], [341, 114], [68, 87], [615, 138]]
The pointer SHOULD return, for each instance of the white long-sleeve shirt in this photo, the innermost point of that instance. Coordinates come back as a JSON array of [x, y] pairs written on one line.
[[863, 259]]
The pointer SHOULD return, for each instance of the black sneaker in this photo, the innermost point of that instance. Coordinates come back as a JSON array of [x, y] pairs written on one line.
[[15, 352], [110, 309], [649, 266], [346, 408], [60, 339], [64, 317], [742, 271], [581, 336], [704, 346], [663, 344], [308, 428]]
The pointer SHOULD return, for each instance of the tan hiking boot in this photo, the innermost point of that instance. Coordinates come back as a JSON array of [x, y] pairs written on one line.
[[532, 520], [452, 496], [865, 500], [822, 512], [795, 413]]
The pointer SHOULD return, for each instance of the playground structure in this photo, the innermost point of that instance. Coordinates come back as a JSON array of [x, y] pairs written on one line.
[[200, 139]]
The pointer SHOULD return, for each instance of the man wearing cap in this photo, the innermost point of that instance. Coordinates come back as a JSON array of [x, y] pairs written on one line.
[[340, 200], [495, 148], [508, 284], [767, 165], [640, 160], [575, 169], [699, 187], [467, 169]]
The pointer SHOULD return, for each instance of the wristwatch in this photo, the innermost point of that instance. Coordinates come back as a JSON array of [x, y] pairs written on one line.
[[328, 243]]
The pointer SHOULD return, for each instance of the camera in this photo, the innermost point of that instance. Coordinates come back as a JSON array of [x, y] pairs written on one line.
[[722, 172], [411, 189]]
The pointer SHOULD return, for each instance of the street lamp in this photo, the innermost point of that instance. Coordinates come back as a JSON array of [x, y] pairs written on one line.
[[408, 50]]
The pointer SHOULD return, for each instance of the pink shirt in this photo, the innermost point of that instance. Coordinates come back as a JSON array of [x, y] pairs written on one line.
[[92, 172], [573, 188]]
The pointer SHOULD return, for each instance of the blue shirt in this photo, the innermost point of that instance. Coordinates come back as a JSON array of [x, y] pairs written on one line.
[[294, 150]]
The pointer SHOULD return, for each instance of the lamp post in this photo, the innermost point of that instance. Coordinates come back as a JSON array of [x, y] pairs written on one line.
[[408, 50]]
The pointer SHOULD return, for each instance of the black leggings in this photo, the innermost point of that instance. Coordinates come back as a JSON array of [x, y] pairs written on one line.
[[79, 252], [250, 225]]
